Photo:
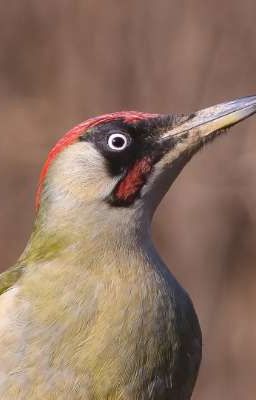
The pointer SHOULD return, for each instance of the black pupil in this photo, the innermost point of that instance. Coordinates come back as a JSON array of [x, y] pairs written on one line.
[[118, 142]]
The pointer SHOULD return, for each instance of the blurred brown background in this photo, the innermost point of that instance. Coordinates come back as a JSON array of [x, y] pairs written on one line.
[[62, 61]]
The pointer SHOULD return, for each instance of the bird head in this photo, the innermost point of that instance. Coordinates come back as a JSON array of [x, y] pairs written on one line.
[[118, 166]]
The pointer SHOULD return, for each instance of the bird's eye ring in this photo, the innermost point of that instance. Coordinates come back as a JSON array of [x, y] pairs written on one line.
[[117, 141]]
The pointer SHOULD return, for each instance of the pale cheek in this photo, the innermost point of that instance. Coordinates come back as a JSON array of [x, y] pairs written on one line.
[[80, 172]]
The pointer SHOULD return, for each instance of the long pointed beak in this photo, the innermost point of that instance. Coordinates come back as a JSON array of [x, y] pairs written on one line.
[[215, 118]]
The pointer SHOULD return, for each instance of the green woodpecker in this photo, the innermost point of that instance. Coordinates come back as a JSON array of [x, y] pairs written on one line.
[[90, 311]]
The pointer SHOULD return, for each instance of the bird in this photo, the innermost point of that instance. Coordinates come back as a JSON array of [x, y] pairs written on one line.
[[90, 311]]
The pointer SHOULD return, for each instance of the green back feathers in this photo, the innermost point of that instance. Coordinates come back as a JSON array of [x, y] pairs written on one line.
[[10, 277], [40, 248]]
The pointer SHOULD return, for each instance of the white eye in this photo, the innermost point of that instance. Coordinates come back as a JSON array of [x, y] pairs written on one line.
[[117, 141]]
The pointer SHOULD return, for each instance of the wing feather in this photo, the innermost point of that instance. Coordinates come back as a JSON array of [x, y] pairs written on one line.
[[9, 277]]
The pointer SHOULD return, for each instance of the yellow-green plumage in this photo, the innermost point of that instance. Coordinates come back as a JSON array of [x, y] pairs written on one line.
[[84, 330], [10, 277], [90, 311]]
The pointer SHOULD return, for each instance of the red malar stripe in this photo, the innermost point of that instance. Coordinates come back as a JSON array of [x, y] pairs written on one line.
[[134, 180]]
